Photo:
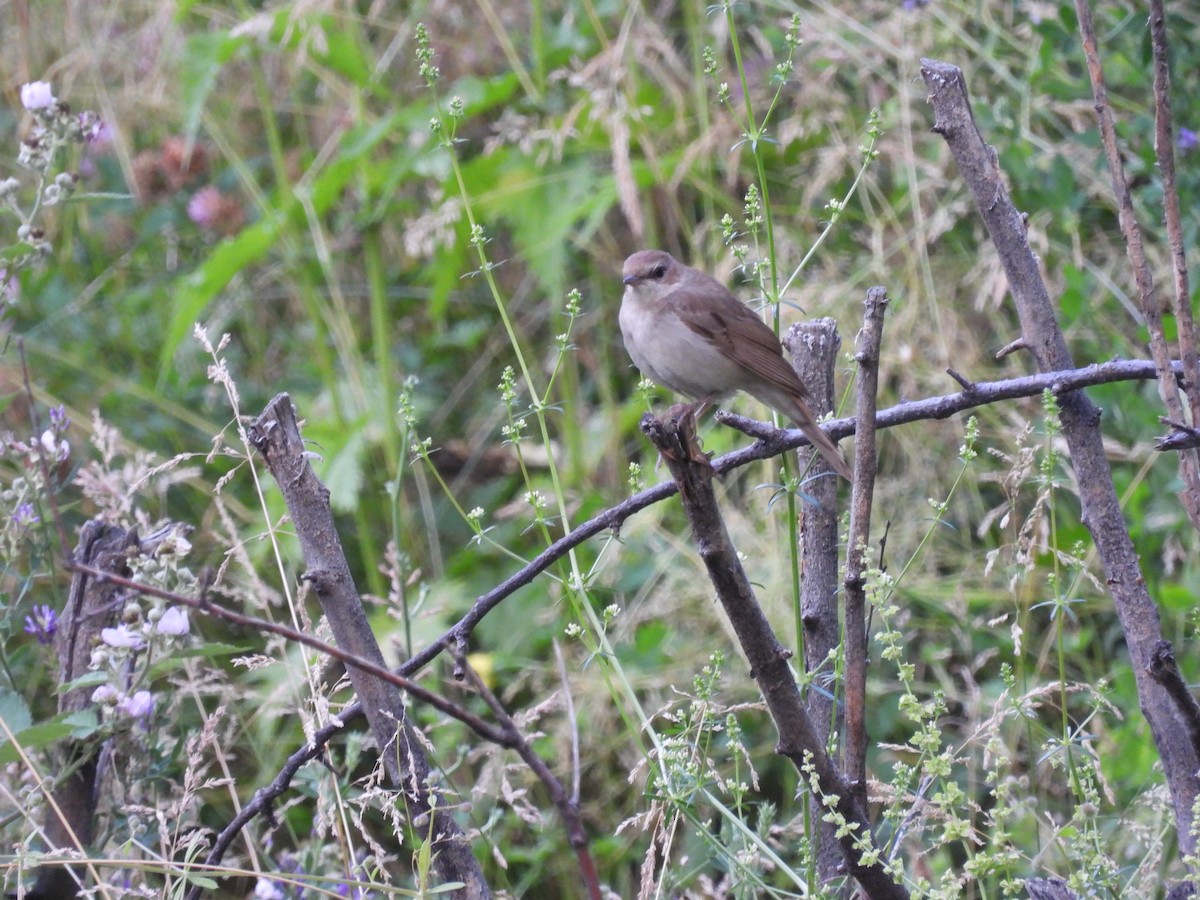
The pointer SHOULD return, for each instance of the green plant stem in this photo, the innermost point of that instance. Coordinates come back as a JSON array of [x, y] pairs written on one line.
[[868, 158], [575, 583]]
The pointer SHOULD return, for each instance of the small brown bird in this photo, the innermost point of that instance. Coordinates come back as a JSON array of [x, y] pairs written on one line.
[[685, 331]]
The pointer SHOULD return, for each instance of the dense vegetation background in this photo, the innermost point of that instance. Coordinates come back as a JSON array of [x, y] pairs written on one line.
[[397, 248]]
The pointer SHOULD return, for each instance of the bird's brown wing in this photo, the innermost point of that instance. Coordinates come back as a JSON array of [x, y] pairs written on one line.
[[714, 313], [707, 308]]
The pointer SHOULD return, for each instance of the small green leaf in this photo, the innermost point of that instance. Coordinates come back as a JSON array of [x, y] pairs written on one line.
[[14, 711], [87, 679], [324, 41], [203, 57], [15, 251]]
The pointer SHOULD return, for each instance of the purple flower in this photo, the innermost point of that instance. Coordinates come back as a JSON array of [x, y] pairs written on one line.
[[122, 636], [90, 127], [43, 623], [100, 137], [139, 706], [24, 516], [37, 95], [1188, 140], [59, 421]]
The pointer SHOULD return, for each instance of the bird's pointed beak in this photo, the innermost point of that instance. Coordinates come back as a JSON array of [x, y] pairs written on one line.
[[630, 279]]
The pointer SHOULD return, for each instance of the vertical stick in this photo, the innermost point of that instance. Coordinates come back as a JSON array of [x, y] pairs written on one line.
[[860, 534], [814, 346]]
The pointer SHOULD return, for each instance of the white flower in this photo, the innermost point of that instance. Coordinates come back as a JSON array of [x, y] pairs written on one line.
[[121, 636], [37, 95], [266, 889], [55, 449], [105, 694], [174, 621]]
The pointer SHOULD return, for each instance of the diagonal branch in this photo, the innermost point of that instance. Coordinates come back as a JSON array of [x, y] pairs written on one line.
[[567, 805], [1101, 509], [799, 740], [276, 435]]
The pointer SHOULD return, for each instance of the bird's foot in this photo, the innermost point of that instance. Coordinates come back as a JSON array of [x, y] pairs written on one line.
[[684, 415], [697, 455]]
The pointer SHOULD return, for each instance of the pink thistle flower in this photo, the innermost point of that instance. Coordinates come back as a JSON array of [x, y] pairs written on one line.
[[205, 206]]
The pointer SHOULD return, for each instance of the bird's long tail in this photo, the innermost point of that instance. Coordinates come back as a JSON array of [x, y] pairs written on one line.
[[827, 448], [794, 404]]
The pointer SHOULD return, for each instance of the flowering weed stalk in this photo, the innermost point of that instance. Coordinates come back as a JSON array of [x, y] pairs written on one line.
[[55, 128]]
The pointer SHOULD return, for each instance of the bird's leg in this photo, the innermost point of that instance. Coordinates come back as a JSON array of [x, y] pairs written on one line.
[[684, 417], [687, 426]]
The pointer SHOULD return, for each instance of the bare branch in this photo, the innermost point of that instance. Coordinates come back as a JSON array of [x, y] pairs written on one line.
[[1165, 671], [814, 346], [1011, 347], [205, 605], [567, 806], [92, 604], [1164, 151], [1183, 436], [768, 659], [276, 435], [1101, 509]]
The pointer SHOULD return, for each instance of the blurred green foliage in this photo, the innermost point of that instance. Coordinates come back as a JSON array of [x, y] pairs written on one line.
[[272, 175]]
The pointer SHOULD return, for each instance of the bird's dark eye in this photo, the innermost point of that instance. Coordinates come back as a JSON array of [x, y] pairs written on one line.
[[658, 272]]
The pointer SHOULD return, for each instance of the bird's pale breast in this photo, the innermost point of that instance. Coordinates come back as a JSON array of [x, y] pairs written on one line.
[[671, 354]]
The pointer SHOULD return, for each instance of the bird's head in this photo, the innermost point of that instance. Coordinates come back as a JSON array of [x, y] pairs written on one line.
[[651, 272]]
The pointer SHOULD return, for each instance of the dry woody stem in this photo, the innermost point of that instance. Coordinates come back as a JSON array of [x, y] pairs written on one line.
[[276, 435], [814, 346], [768, 659], [1132, 234], [1101, 510]]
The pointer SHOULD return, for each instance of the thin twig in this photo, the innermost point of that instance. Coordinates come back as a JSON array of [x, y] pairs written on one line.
[[1132, 234], [252, 623], [568, 807], [1164, 151]]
